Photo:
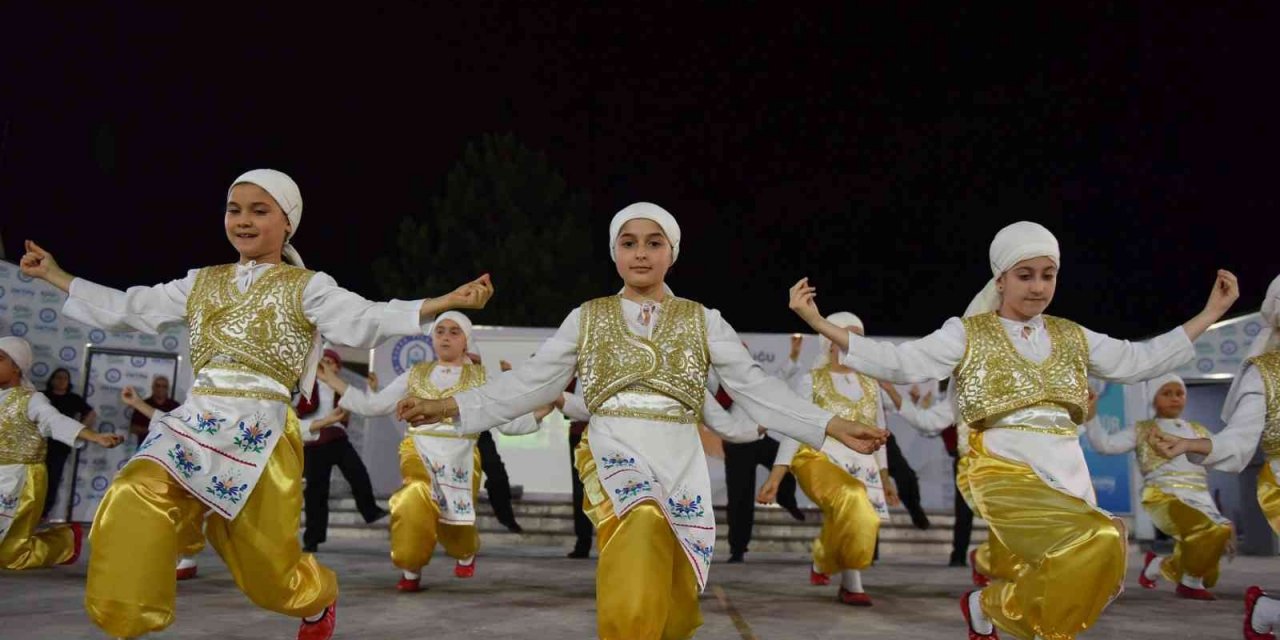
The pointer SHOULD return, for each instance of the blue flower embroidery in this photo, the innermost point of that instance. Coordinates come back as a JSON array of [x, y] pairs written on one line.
[[226, 489], [183, 460], [10, 502], [703, 552], [462, 507], [460, 474], [207, 423], [686, 508], [252, 438], [615, 460], [632, 489], [150, 440], [438, 469]]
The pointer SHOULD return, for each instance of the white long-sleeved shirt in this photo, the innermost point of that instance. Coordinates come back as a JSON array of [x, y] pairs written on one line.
[[846, 384], [1126, 440], [765, 399], [443, 376], [1235, 445], [49, 421], [931, 421], [339, 315]]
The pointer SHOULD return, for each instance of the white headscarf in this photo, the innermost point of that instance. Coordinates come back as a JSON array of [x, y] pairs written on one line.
[[1268, 339], [842, 319], [19, 351], [286, 194], [463, 322], [647, 211], [1013, 244], [1154, 386]]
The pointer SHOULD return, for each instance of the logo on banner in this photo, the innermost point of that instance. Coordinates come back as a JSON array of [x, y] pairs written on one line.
[[67, 354], [1252, 328], [1229, 347], [97, 335], [21, 312], [113, 375], [100, 483], [170, 343], [24, 292], [72, 333], [22, 277], [1205, 365], [138, 361], [106, 427], [763, 357], [18, 329], [50, 297], [39, 369], [409, 351], [75, 499], [48, 315]]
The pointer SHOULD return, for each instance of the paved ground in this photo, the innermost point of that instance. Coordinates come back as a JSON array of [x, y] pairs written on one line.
[[530, 592]]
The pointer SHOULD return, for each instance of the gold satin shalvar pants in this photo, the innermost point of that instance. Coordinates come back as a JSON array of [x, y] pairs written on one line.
[[1269, 495], [1072, 557], [1199, 540], [145, 522], [992, 558], [850, 524], [415, 516], [645, 586], [22, 547]]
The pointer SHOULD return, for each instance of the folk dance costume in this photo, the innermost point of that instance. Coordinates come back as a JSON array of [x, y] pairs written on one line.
[[642, 371], [845, 484], [439, 465], [26, 419], [1175, 494], [233, 447], [1021, 387]]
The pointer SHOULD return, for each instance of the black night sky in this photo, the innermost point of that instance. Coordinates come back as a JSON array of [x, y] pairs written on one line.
[[875, 149]]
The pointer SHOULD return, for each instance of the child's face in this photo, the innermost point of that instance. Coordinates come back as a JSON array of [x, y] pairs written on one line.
[[10, 375], [1171, 399], [643, 253], [1028, 287], [449, 340], [256, 226]]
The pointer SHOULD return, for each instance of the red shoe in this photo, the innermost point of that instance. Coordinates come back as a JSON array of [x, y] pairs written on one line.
[[78, 532], [1194, 594], [1250, 599], [979, 580], [321, 629], [1147, 583], [855, 599], [187, 573], [408, 585], [465, 570], [818, 579], [968, 621]]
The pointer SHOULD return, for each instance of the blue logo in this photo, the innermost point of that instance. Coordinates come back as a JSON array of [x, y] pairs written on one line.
[[24, 277], [48, 315], [40, 370], [18, 329], [75, 499], [67, 354], [106, 427], [170, 343], [97, 335], [138, 361], [1228, 347], [1205, 365], [88, 392], [409, 351], [120, 465], [100, 483], [1251, 328], [113, 376]]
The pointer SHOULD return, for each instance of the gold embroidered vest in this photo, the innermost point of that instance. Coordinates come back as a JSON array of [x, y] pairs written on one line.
[[20, 439], [865, 410], [1268, 365], [993, 378], [672, 363], [421, 386], [263, 329], [1148, 459]]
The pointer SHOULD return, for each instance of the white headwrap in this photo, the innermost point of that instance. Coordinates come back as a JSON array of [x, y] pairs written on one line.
[[1013, 244], [842, 319], [286, 194], [463, 322], [1268, 339], [19, 351], [1154, 386], [647, 211]]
